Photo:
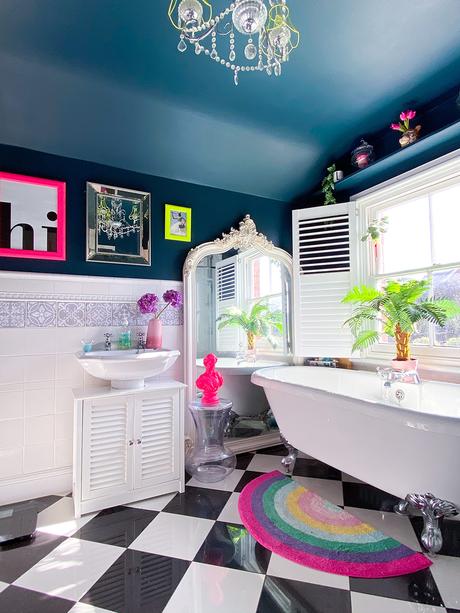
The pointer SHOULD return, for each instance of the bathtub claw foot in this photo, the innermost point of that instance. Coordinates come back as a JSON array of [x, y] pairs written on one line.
[[433, 510], [289, 461]]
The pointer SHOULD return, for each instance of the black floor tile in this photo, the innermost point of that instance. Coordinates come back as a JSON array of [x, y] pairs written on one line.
[[276, 450], [288, 596], [137, 583], [450, 535], [198, 502], [116, 526], [248, 476], [314, 468], [232, 546], [40, 504], [243, 460], [417, 587], [17, 558], [17, 600], [367, 497]]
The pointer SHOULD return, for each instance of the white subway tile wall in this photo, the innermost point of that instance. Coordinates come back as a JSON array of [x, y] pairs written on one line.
[[43, 319]]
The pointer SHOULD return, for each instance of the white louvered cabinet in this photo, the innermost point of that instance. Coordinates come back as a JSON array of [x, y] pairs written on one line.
[[128, 445]]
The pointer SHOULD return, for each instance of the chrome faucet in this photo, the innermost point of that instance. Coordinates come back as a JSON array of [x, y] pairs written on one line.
[[140, 342], [108, 341]]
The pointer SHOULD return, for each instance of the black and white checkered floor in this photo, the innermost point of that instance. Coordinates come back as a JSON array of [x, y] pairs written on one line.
[[188, 553]]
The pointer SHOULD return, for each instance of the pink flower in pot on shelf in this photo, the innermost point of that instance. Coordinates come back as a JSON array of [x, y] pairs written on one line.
[[409, 135]]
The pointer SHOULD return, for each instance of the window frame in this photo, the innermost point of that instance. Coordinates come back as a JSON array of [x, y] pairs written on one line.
[[422, 181]]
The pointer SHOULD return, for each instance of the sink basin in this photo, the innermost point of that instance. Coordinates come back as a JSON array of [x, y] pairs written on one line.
[[127, 368]]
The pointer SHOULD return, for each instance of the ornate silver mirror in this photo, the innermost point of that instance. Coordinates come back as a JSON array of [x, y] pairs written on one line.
[[238, 305]]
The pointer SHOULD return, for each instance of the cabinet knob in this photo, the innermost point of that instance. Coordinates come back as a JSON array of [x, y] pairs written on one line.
[[139, 441], [130, 443]]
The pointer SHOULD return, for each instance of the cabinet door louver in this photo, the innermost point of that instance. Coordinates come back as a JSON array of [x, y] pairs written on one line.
[[106, 461], [324, 244], [156, 454], [227, 339]]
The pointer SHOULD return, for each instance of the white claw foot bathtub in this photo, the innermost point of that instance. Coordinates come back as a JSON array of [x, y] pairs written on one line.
[[339, 417]]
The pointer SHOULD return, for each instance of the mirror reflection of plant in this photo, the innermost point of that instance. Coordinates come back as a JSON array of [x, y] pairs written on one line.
[[398, 307], [258, 322]]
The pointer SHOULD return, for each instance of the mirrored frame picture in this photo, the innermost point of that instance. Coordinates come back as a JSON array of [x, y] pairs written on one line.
[[118, 228]]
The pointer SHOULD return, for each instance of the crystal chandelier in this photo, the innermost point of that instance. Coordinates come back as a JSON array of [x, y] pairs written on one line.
[[260, 29], [111, 217]]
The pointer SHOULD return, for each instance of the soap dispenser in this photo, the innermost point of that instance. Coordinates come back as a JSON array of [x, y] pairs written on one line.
[[210, 461], [124, 341]]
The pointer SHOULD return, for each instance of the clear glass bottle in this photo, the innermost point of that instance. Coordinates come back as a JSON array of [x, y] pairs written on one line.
[[124, 342], [210, 461]]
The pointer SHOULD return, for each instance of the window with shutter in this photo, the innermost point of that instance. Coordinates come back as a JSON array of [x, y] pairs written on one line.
[[227, 295], [324, 270]]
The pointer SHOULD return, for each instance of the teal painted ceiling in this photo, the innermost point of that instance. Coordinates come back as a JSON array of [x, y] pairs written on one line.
[[102, 80]]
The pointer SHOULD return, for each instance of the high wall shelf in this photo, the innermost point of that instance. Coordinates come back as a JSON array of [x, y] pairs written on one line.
[[427, 148]]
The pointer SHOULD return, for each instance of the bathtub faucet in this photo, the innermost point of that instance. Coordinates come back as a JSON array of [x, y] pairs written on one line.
[[391, 375]]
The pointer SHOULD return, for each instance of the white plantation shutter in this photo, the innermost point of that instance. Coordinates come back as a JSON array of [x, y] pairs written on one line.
[[324, 246], [107, 464], [227, 295], [156, 426]]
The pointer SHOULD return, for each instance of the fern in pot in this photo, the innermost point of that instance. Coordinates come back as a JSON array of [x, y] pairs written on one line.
[[398, 307]]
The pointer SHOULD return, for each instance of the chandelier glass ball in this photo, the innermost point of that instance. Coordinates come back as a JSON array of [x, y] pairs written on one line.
[[191, 11], [250, 16]]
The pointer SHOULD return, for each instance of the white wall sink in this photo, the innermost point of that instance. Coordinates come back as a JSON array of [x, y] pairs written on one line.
[[127, 368]]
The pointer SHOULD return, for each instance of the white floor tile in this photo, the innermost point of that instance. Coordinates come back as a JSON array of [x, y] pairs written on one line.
[[215, 589], [3, 586], [365, 603], [266, 463], [327, 488], [228, 484], [173, 535], [82, 607], [391, 524], [153, 504], [70, 569], [446, 573], [59, 518], [230, 512], [280, 567]]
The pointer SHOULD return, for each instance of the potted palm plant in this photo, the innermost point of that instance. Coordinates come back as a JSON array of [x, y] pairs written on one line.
[[398, 307], [258, 322]]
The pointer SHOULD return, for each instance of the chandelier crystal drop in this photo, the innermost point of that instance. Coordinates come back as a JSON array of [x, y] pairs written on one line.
[[260, 32]]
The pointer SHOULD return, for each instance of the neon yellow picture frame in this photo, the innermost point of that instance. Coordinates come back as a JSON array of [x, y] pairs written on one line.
[[178, 223]]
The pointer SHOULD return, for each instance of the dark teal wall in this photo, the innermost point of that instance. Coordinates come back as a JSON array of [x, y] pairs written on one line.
[[213, 212]]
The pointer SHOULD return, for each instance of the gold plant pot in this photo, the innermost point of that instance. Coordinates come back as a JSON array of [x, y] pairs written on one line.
[[410, 136]]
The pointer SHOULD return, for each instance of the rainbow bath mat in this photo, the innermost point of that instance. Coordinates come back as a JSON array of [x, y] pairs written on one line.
[[299, 525]]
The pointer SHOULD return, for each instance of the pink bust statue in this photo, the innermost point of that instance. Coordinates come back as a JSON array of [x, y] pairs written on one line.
[[210, 381]]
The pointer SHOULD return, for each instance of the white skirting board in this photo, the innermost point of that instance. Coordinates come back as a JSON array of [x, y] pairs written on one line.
[[46, 483]]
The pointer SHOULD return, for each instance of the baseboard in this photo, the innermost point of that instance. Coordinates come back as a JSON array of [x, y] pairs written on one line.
[[46, 483]]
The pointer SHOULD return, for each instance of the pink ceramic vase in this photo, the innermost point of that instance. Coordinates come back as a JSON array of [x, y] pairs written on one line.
[[154, 334]]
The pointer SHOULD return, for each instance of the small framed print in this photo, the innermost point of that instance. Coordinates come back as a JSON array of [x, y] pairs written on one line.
[[118, 225], [32, 217], [178, 223]]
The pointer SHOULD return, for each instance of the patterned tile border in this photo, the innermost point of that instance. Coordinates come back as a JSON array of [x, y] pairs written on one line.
[[72, 313]]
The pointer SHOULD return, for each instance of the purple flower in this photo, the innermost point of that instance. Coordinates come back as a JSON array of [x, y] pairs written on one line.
[[173, 298], [148, 303]]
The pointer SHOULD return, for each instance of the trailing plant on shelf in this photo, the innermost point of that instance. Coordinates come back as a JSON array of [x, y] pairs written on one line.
[[258, 322], [328, 186], [398, 307]]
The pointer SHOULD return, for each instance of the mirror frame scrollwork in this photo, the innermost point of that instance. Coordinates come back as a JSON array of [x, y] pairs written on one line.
[[245, 237]]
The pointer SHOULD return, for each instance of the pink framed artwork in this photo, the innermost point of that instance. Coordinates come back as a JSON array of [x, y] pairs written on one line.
[[32, 217]]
